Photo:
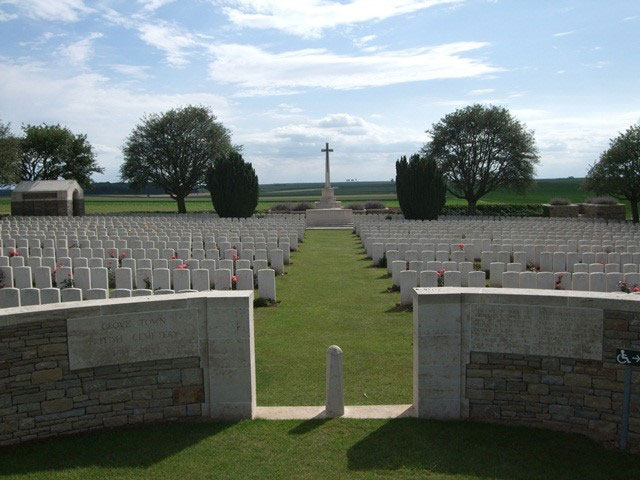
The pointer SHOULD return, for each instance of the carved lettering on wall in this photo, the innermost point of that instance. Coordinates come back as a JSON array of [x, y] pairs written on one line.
[[535, 330], [135, 337]]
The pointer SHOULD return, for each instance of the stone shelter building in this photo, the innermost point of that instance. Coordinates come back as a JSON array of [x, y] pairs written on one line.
[[48, 197]]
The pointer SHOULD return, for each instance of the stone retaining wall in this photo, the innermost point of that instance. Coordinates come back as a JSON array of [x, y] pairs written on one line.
[[47, 387], [518, 356]]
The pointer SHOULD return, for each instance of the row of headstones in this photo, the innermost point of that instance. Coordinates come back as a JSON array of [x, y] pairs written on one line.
[[16, 297], [134, 242], [21, 276], [407, 280], [543, 261], [247, 250], [397, 220]]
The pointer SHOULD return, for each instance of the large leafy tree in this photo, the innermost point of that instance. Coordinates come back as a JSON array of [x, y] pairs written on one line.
[[480, 149], [421, 188], [50, 152], [9, 155], [617, 172], [233, 185], [173, 150]]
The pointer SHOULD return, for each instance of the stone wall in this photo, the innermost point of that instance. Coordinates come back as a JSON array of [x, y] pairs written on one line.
[[517, 356], [50, 385]]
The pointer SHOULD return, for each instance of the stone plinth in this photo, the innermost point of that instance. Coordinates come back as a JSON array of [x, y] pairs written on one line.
[[328, 199], [329, 217]]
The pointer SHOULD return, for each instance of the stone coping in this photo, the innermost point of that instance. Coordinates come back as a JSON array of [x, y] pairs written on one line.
[[65, 310], [506, 296], [318, 413]]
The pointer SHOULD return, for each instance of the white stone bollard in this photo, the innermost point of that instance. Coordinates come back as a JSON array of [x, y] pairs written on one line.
[[267, 284], [245, 279], [408, 281], [9, 297], [334, 399]]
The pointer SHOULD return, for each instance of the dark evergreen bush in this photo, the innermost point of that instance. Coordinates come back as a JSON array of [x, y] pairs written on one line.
[[420, 187], [233, 185]]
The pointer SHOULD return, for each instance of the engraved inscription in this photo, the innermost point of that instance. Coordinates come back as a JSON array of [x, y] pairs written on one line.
[[536, 330], [125, 338]]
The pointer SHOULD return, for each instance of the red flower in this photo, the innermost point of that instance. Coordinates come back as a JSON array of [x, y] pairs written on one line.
[[636, 289], [174, 257], [235, 257], [460, 246], [182, 266], [14, 253], [234, 279]]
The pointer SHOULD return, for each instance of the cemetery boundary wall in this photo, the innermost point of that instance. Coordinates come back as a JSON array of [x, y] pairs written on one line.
[[545, 359], [81, 366]]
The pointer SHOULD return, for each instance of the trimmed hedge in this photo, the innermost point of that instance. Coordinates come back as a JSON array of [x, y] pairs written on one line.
[[498, 210]]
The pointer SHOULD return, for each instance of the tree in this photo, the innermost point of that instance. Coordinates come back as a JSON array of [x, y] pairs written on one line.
[[173, 150], [233, 185], [9, 155], [481, 149], [617, 173], [420, 187], [49, 152]]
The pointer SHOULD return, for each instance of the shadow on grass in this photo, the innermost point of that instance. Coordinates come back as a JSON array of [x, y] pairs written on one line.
[[139, 447], [400, 309], [487, 451], [308, 426]]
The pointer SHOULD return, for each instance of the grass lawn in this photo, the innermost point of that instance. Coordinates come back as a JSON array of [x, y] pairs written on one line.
[[332, 295], [260, 449]]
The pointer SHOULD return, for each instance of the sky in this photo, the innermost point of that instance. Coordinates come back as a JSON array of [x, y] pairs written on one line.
[[285, 76]]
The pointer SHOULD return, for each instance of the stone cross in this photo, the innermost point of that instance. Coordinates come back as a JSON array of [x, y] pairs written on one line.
[[326, 149]]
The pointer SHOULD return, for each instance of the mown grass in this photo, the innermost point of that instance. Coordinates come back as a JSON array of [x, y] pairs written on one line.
[[331, 295], [260, 449]]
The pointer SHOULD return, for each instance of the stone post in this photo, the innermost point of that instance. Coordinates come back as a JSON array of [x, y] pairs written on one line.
[[334, 403]]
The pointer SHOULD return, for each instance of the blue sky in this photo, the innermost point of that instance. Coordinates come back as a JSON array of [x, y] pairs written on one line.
[[368, 76]]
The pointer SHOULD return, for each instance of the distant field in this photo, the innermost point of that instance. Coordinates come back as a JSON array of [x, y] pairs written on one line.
[[347, 192]]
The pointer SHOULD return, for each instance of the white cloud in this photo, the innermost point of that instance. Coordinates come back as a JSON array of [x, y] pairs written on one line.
[[171, 40], [139, 72], [308, 18], [77, 53], [482, 91], [151, 5], [261, 72], [44, 38], [363, 41], [88, 103], [55, 10], [564, 34], [291, 152], [5, 17], [628, 19]]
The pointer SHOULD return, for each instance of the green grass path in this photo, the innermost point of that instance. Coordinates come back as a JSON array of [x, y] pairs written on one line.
[[332, 295]]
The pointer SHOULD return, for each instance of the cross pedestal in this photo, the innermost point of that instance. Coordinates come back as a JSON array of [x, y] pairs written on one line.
[[328, 211]]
